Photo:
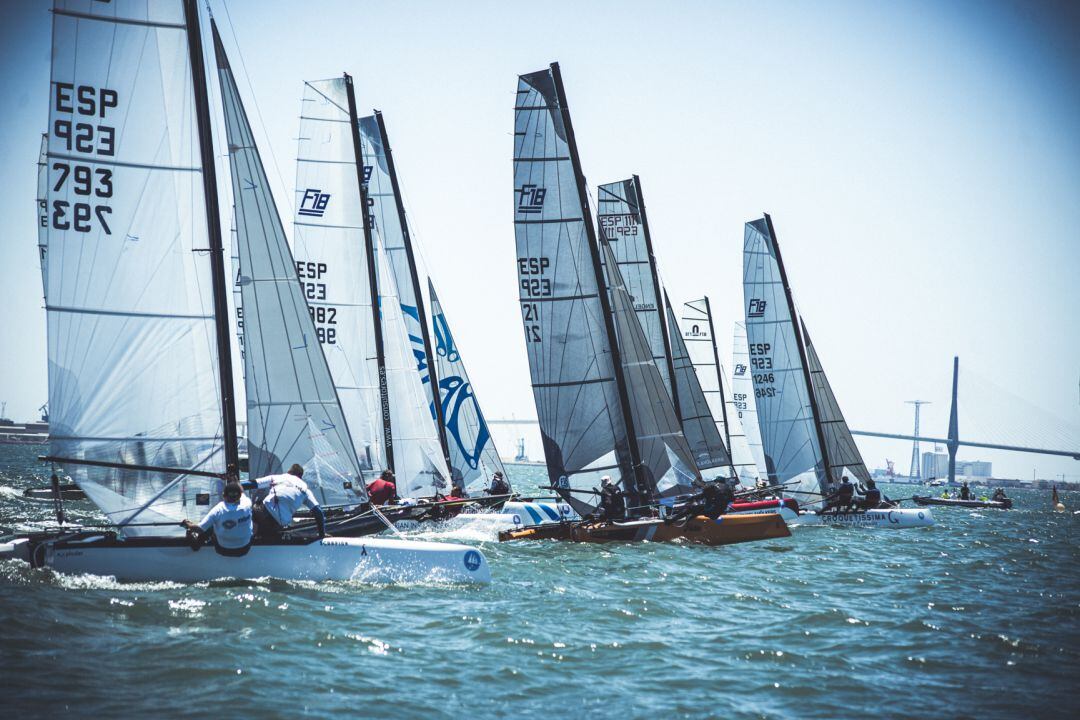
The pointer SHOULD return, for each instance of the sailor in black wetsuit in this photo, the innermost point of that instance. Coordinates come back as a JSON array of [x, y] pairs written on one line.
[[612, 505], [871, 495], [715, 499], [965, 491], [499, 486], [845, 495]]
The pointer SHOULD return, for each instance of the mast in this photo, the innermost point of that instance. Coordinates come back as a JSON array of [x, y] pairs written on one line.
[[661, 298], [605, 303], [373, 282], [436, 395], [720, 384], [217, 250], [795, 325]]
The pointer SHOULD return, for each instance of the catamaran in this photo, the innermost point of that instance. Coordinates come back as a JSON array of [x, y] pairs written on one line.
[[600, 399], [807, 444], [140, 382], [359, 275]]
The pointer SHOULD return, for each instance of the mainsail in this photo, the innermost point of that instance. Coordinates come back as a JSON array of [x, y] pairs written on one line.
[[580, 403], [790, 433], [623, 223], [840, 448], [331, 261], [292, 406], [666, 459], [418, 458], [701, 428], [745, 407], [140, 384], [472, 449], [388, 220]]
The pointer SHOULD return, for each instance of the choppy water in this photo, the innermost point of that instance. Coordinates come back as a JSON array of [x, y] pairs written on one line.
[[976, 617]]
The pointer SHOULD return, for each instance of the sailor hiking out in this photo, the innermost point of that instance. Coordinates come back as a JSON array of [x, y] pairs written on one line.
[[499, 486], [284, 495], [229, 522]]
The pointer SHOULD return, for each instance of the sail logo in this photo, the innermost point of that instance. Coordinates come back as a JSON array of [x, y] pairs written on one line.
[[532, 199], [695, 332], [740, 369], [757, 308], [314, 203]]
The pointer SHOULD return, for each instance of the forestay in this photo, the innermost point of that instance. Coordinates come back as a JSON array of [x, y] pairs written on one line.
[[789, 436], [840, 448], [472, 449], [742, 397], [665, 456], [133, 359], [418, 459], [620, 213], [566, 336], [291, 401], [700, 426], [331, 261]]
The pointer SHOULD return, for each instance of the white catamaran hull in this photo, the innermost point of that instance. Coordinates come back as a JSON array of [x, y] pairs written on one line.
[[373, 560], [538, 512], [891, 519]]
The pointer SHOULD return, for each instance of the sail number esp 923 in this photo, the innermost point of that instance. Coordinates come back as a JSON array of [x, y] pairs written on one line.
[[79, 128]]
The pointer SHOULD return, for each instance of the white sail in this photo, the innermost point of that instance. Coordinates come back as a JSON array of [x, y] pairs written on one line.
[[289, 386], [789, 432], [472, 449], [331, 261], [418, 460], [745, 409], [133, 359], [388, 219]]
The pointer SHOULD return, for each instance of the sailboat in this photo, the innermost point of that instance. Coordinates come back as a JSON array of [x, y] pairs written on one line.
[[140, 381], [601, 401], [698, 336], [359, 275], [807, 443], [742, 394]]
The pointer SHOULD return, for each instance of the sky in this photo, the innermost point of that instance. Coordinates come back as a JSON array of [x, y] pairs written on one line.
[[920, 160]]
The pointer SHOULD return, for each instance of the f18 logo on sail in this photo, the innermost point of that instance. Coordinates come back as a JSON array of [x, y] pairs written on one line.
[[757, 308], [532, 199], [740, 369], [314, 203]]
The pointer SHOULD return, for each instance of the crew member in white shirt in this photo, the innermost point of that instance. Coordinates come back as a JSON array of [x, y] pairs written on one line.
[[285, 493], [229, 521]]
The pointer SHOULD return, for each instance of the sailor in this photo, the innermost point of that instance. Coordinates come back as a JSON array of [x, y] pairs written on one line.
[[845, 494], [612, 504], [229, 521], [715, 499], [457, 487], [999, 495], [285, 493], [499, 486], [871, 496], [383, 489], [965, 491]]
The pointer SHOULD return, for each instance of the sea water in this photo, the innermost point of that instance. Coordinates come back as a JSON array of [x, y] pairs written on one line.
[[978, 616]]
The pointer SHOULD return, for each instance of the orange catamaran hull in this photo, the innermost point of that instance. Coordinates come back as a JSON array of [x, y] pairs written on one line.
[[699, 530]]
